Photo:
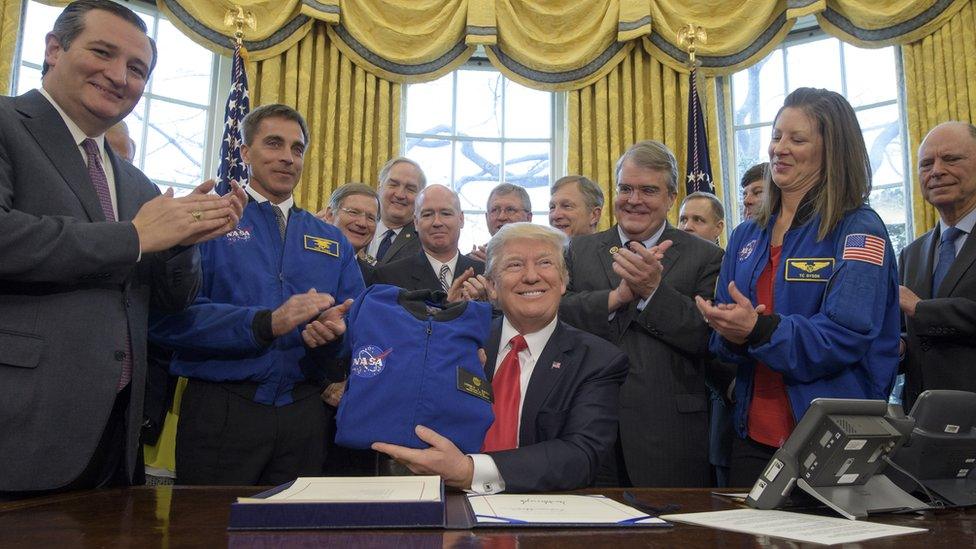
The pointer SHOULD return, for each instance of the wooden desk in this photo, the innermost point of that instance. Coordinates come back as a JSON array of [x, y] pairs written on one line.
[[197, 517]]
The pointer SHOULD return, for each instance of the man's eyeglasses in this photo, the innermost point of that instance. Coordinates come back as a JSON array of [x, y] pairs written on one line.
[[508, 210], [370, 218]]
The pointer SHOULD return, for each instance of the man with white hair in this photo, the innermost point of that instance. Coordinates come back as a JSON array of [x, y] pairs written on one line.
[[555, 388]]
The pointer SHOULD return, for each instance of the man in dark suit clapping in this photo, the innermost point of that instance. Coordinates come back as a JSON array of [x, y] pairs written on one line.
[[88, 246], [634, 285]]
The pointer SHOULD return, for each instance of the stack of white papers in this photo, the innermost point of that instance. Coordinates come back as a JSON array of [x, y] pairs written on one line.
[[795, 526], [357, 489], [555, 509]]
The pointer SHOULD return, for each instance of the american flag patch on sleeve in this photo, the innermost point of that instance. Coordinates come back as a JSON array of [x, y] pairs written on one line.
[[864, 247]]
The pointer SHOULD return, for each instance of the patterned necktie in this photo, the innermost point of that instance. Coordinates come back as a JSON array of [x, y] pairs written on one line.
[[445, 272], [280, 216], [503, 434], [947, 254], [98, 179], [385, 244], [100, 183]]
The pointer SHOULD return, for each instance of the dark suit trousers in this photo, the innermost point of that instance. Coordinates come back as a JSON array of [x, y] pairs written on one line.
[[226, 438]]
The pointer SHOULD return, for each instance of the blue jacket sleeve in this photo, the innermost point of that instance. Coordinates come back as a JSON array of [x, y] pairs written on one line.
[[851, 315]]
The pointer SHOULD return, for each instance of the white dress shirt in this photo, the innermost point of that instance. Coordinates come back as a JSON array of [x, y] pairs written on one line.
[[487, 479], [381, 228], [285, 205], [79, 136], [436, 265]]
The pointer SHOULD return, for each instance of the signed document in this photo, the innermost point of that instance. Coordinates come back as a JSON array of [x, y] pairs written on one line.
[[357, 489], [794, 526], [541, 509]]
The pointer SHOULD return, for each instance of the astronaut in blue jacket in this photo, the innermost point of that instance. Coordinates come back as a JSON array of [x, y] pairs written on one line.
[[255, 343], [807, 297]]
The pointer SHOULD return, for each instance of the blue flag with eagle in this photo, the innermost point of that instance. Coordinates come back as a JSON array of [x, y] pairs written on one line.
[[699, 169], [232, 166]]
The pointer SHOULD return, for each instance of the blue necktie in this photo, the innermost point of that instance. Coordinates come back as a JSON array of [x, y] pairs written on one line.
[[385, 243], [947, 254]]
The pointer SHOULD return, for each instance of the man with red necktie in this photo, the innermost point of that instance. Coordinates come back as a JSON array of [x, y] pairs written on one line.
[[556, 388]]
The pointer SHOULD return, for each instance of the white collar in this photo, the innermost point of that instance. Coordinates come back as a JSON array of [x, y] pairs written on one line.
[[965, 224], [536, 341], [76, 132], [285, 205], [436, 263], [651, 240]]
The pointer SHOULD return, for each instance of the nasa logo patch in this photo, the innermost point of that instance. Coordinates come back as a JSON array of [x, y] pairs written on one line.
[[369, 361], [238, 235], [746, 251]]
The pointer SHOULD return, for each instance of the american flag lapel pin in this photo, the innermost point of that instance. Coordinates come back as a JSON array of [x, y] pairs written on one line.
[[556, 365]]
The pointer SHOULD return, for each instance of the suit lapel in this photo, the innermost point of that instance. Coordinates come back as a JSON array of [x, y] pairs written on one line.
[[555, 359], [610, 245], [405, 236], [491, 350], [672, 254], [47, 128], [959, 267], [925, 268], [126, 204], [423, 274]]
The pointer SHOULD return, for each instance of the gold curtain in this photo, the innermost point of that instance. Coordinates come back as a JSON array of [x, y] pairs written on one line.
[[641, 98], [940, 82], [353, 116], [9, 34]]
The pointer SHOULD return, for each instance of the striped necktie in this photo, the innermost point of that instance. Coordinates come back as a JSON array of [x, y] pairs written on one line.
[[445, 272]]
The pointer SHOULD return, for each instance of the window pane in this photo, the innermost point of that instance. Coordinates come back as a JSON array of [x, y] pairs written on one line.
[[814, 64], [38, 21], [174, 151], [183, 69], [27, 79], [881, 127], [475, 231], [872, 75], [430, 106], [527, 164], [751, 148], [758, 90], [479, 105], [135, 124], [433, 155], [528, 112], [476, 161]]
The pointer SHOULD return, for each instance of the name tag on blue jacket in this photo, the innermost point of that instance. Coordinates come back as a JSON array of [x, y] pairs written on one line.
[[809, 269]]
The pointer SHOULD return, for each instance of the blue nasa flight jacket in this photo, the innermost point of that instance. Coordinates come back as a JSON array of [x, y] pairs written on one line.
[[837, 321], [414, 363], [248, 272]]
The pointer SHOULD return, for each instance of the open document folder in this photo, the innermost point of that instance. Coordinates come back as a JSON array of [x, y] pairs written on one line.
[[344, 502], [527, 510]]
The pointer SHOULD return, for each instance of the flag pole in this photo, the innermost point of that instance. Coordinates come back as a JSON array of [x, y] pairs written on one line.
[[698, 177], [232, 167]]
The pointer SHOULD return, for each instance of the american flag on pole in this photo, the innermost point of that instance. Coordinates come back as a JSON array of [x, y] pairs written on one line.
[[864, 247], [698, 167], [232, 166]]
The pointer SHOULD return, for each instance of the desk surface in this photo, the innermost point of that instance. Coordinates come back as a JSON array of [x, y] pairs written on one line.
[[197, 517]]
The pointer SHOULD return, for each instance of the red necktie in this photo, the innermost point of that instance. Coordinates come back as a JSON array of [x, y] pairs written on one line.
[[503, 434], [100, 182]]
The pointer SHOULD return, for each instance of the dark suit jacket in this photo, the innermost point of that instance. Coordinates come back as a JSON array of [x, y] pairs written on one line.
[[941, 337], [69, 286], [406, 244], [664, 401], [569, 417], [415, 272]]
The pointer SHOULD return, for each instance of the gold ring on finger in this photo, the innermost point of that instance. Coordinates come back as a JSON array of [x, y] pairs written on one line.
[[197, 214]]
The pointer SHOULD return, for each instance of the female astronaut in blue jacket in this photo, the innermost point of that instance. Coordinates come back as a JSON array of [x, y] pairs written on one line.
[[807, 298]]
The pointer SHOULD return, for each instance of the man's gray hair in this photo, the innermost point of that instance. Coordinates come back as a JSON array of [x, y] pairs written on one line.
[[591, 192], [503, 189], [554, 238], [352, 189], [385, 170], [652, 155]]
